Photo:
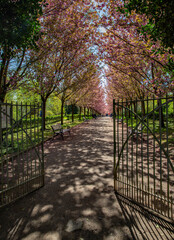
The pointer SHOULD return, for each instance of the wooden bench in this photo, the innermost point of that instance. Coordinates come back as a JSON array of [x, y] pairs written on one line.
[[58, 129], [85, 120], [138, 132], [119, 120]]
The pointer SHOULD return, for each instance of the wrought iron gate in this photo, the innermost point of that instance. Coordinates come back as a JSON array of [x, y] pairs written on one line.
[[21, 151], [144, 152]]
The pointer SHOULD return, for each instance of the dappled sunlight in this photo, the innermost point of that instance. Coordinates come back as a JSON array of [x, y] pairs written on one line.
[[77, 180], [144, 224], [78, 185], [53, 235], [88, 212]]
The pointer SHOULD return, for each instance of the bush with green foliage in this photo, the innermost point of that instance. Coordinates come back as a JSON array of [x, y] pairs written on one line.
[[161, 19]]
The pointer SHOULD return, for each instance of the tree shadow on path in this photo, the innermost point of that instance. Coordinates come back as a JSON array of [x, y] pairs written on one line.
[[78, 186], [144, 224]]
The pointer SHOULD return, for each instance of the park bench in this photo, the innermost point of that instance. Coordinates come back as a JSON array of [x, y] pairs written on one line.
[[120, 120], [85, 120], [138, 132], [58, 130]]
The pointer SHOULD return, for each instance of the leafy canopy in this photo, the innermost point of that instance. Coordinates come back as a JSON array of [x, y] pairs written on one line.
[[160, 16], [19, 25]]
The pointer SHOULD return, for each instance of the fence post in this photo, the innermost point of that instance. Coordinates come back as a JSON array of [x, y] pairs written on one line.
[[80, 113], [72, 113]]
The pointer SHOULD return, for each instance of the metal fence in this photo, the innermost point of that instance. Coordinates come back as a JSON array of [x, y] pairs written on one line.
[[21, 150], [144, 152]]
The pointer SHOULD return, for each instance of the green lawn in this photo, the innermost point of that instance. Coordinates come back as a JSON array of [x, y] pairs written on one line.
[[31, 135]]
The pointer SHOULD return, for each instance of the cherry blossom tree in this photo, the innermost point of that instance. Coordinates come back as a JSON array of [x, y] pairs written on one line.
[[92, 96], [63, 49], [74, 82], [125, 49]]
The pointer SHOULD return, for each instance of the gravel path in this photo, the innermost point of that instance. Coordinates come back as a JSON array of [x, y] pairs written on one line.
[[78, 193]]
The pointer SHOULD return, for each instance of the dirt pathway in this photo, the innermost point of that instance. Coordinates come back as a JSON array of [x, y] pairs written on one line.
[[78, 187]]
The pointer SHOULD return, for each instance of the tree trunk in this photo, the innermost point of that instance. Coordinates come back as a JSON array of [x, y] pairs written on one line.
[[62, 104], [121, 111], [84, 112], [143, 108], [2, 96], [72, 112], [88, 113], [118, 112], [125, 111], [80, 113], [135, 109], [3, 73], [129, 113], [43, 112], [161, 114]]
